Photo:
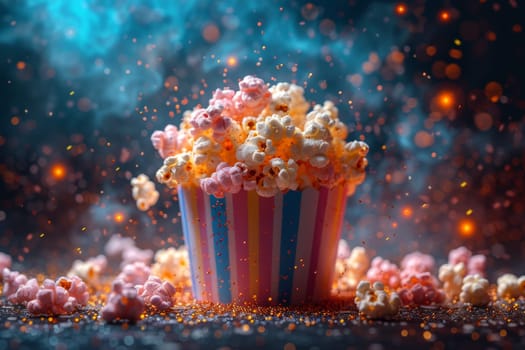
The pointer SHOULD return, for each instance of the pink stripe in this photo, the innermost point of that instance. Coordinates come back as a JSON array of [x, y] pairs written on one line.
[[316, 242], [266, 214], [240, 207], [206, 272]]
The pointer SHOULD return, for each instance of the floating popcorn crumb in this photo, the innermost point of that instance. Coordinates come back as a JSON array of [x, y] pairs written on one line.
[[157, 293], [124, 303], [384, 271], [374, 302], [173, 265], [475, 290], [452, 278], [5, 262], [89, 270], [144, 192], [134, 273], [511, 286]]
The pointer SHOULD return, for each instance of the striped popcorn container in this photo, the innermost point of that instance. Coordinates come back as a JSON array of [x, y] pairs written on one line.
[[247, 248]]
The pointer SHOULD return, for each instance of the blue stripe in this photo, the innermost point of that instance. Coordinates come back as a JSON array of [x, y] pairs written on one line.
[[185, 230], [289, 228], [220, 243]]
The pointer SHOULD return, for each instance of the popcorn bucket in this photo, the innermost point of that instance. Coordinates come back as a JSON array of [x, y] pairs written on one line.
[[248, 248]]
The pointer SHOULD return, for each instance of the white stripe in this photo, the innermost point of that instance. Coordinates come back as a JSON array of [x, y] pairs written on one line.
[[305, 236], [276, 246]]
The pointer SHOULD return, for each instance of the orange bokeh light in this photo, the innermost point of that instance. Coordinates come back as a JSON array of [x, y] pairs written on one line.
[[407, 212], [466, 228], [445, 99], [401, 9], [231, 61], [444, 16], [118, 217], [58, 171]]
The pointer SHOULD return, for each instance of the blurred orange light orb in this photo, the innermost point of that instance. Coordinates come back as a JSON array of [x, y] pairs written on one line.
[[466, 228], [401, 9], [58, 171], [118, 217]]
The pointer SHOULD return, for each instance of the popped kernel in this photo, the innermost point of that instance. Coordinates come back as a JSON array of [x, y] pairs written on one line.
[[352, 269], [157, 293], [143, 192], [452, 278], [384, 271], [124, 303], [511, 286], [173, 265], [89, 270], [168, 142], [475, 290], [374, 302]]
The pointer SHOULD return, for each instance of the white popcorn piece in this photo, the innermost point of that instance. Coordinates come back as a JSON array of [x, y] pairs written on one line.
[[205, 152], [374, 302], [288, 99], [452, 278], [351, 270], [176, 169], [284, 173], [475, 290], [328, 116], [511, 286], [254, 150], [89, 270], [143, 192], [173, 265], [275, 127]]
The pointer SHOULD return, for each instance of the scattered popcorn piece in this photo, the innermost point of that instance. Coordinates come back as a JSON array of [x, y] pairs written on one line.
[[76, 288], [459, 255], [477, 264], [510, 286], [384, 271], [421, 289], [52, 299], [418, 262], [351, 270], [144, 192], [452, 278], [89, 270], [12, 281], [118, 244], [5, 262], [173, 265], [124, 303], [25, 293], [475, 290], [343, 249], [157, 293], [134, 273], [374, 302]]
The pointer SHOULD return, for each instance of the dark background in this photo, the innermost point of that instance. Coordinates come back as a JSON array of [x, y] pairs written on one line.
[[436, 88]]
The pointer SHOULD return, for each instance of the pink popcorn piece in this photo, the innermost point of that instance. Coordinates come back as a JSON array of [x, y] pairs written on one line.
[[168, 142], [135, 273], [226, 179], [76, 289], [118, 244], [12, 281], [343, 249], [157, 294], [134, 254], [25, 293], [461, 254], [52, 299], [5, 262], [223, 99], [415, 263], [382, 270], [477, 265], [253, 96], [124, 303], [421, 289]]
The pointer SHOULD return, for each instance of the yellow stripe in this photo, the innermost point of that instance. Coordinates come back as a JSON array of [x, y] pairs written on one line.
[[253, 241]]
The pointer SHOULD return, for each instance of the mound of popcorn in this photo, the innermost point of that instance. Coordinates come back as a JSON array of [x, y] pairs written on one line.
[[511, 286], [475, 290], [384, 271], [173, 265], [59, 298], [157, 293], [124, 303], [259, 138], [374, 302], [421, 289], [143, 192]]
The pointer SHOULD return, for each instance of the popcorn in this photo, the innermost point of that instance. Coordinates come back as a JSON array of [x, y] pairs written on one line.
[[252, 97], [374, 302], [475, 290], [12, 281], [124, 303], [118, 244], [157, 294], [352, 269], [173, 265], [89, 270], [5, 262], [24, 293], [169, 141], [60, 298], [510, 286], [452, 278], [421, 289], [475, 264], [134, 254], [258, 129], [143, 192], [385, 272], [343, 249], [135, 273], [415, 263]]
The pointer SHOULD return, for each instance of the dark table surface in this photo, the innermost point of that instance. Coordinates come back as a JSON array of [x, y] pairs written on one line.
[[337, 326]]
